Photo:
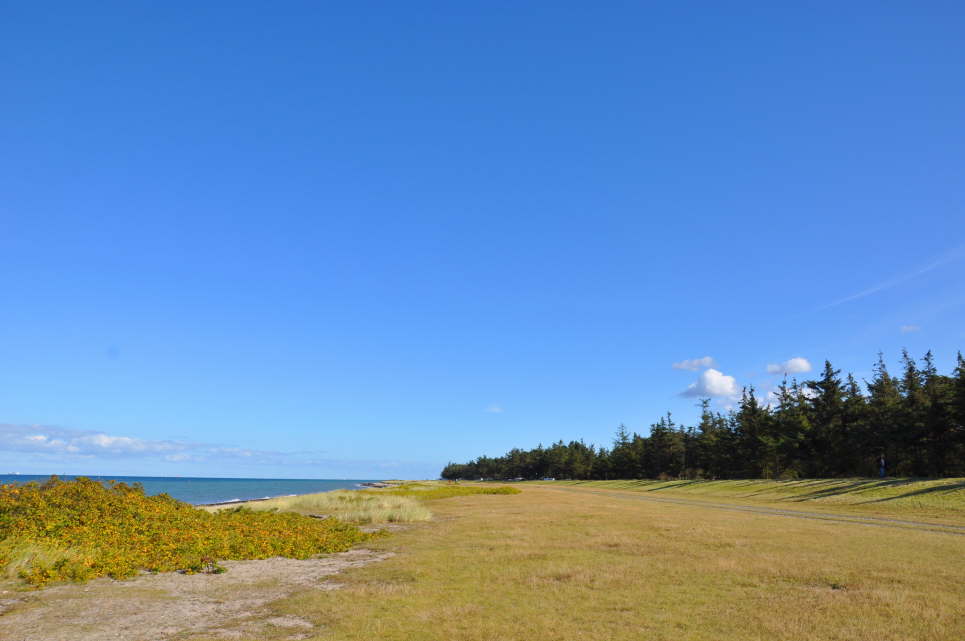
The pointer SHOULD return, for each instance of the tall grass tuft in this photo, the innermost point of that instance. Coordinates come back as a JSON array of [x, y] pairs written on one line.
[[351, 506]]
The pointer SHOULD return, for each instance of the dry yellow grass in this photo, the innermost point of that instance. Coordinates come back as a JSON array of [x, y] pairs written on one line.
[[572, 565], [347, 505]]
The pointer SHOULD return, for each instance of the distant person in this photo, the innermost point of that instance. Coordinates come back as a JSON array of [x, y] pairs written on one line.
[[881, 466]]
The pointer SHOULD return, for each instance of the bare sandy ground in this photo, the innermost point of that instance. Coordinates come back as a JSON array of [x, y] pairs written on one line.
[[172, 605]]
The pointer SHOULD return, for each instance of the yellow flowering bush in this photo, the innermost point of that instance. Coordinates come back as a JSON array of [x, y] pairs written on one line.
[[81, 529]]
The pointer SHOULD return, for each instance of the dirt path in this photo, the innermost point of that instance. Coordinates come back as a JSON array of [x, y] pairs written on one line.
[[172, 605], [858, 519]]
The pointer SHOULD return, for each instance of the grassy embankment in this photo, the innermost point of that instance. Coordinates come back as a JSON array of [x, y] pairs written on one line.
[[562, 565], [942, 499]]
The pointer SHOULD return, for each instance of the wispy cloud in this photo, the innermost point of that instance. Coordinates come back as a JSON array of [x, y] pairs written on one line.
[[40, 449], [495, 409], [908, 329], [948, 257], [72, 444], [694, 364], [57, 440]]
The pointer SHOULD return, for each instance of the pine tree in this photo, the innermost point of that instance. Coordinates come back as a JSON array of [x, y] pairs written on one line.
[[957, 436], [959, 392], [855, 452], [601, 466], [914, 417], [827, 417], [792, 429], [884, 415], [665, 449], [751, 423], [823, 427], [621, 456], [714, 442], [939, 416]]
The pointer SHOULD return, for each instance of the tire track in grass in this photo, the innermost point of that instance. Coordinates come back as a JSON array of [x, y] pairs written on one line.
[[878, 521]]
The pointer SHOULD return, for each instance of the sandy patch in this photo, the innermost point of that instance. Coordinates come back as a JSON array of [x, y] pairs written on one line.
[[162, 606]]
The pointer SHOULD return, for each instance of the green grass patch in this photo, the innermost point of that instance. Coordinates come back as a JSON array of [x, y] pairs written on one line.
[[432, 491], [81, 529]]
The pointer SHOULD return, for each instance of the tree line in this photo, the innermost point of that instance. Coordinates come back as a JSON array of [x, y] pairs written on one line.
[[911, 424]]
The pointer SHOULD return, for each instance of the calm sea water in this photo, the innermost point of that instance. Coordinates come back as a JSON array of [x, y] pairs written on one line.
[[206, 490]]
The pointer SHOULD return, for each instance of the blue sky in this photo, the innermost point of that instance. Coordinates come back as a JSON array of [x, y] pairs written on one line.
[[364, 239]]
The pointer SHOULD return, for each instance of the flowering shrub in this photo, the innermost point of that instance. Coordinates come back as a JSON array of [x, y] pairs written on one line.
[[80, 529]]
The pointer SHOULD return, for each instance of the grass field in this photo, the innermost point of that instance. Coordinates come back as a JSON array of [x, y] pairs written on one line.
[[943, 499], [562, 562], [565, 565]]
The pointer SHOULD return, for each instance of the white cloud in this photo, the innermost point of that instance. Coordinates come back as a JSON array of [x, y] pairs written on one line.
[[771, 400], [796, 365], [31, 438], [712, 383], [69, 444], [694, 364], [907, 329], [181, 456], [124, 444], [495, 409], [42, 449]]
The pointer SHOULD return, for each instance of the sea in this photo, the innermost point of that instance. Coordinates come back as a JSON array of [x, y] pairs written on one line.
[[202, 491]]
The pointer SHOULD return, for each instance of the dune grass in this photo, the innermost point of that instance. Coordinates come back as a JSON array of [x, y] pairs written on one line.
[[936, 498], [404, 502], [553, 565], [22, 559], [350, 506]]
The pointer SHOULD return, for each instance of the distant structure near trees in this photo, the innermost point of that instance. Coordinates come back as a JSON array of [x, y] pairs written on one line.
[[907, 425]]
